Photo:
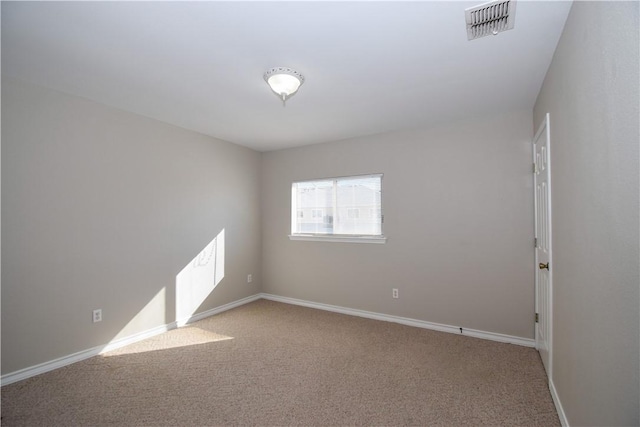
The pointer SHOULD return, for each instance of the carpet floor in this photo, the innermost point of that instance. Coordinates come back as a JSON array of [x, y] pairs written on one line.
[[268, 363]]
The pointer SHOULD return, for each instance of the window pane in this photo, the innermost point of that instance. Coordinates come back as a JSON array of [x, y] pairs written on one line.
[[315, 203], [356, 199]]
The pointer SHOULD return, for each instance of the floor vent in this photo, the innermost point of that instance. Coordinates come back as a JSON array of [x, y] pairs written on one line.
[[490, 18]]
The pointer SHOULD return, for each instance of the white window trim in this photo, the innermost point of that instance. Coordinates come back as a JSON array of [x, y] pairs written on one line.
[[338, 238]]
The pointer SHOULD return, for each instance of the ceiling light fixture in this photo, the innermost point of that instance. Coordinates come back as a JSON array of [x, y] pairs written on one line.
[[283, 81]]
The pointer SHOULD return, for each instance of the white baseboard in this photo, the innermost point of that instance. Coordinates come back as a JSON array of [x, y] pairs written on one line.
[[526, 342], [558, 404], [121, 342], [41, 368], [217, 310]]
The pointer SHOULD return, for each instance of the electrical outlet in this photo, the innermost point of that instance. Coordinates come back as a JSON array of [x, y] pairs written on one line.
[[249, 278], [97, 315], [394, 292]]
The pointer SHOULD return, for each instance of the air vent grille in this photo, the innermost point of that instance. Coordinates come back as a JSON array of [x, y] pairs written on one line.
[[490, 18]]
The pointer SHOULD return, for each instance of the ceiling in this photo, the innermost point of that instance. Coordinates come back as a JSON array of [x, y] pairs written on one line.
[[370, 67]]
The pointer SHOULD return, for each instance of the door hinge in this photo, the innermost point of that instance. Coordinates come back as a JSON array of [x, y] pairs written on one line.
[[535, 242], [382, 219], [534, 167], [537, 317]]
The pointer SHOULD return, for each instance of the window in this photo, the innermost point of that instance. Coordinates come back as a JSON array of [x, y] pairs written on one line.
[[339, 209]]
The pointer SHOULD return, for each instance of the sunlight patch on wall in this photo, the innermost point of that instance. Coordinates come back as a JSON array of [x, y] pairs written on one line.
[[152, 315], [176, 338], [199, 278]]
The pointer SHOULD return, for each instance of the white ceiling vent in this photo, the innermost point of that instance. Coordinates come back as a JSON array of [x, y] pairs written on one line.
[[490, 18]]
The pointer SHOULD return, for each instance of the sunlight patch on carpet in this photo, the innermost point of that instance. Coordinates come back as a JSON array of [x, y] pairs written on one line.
[[176, 338]]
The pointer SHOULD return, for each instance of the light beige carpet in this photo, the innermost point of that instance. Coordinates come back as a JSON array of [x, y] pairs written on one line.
[[268, 363]]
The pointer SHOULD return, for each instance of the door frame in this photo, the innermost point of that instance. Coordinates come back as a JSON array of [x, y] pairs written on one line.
[[544, 127]]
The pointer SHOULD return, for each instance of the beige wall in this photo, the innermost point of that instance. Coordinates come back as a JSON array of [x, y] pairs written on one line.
[[591, 93], [457, 201], [102, 209]]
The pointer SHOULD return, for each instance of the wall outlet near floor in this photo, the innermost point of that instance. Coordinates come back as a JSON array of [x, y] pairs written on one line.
[[97, 315], [249, 278], [394, 292]]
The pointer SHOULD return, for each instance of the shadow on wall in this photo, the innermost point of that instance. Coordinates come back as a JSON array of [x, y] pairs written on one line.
[[194, 284]]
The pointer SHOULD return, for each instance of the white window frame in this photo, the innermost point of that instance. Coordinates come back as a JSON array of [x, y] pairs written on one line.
[[344, 238]]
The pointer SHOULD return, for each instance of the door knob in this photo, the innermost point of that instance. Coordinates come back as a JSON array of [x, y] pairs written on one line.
[[544, 266]]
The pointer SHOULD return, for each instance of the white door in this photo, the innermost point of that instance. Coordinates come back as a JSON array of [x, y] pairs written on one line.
[[543, 267]]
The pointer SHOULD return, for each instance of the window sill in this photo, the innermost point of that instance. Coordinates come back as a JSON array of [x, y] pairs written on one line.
[[339, 239]]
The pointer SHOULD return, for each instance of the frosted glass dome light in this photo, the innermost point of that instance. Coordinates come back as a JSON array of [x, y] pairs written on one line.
[[283, 81]]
